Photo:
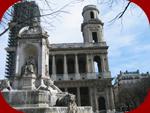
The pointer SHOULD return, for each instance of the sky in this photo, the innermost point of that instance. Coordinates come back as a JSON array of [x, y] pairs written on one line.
[[129, 47]]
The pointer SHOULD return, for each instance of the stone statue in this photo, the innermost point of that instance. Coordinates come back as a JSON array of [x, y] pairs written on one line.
[[72, 106], [30, 66], [5, 84], [65, 100]]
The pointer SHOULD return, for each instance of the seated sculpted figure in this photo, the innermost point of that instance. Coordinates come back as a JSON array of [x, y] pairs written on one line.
[[30, 66]]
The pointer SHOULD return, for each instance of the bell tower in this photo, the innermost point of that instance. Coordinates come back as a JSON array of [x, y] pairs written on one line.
[[92, 26]]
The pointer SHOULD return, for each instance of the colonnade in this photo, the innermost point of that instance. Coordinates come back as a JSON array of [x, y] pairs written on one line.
[[89, 63], [94, 96]]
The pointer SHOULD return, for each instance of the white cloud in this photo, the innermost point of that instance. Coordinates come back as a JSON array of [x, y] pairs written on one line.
[[141, 48]]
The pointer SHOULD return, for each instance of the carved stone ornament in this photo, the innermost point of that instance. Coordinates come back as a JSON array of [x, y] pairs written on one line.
[[36, 29], [100, 89], [94, 28], [5, 84]]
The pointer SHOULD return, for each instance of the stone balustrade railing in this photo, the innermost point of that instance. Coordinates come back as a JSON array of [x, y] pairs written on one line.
[[82, 76]]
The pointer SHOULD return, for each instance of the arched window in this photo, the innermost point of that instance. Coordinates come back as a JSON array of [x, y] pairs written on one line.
[[97, 64], [70, 64], [82, 68], [92, 14], [101, 102], [59, 66]]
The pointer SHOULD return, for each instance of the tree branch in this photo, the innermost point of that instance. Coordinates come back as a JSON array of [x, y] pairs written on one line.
[[125, 9]]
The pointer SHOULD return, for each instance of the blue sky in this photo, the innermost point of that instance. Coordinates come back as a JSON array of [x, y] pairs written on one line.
[[128, 50]]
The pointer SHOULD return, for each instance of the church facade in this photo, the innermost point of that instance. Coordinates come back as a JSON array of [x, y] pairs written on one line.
[[72, 65]]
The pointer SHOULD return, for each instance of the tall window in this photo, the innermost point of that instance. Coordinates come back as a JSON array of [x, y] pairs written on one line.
[[92, 15], [94, 35]]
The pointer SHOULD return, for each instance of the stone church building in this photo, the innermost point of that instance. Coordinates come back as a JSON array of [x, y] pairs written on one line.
[[71, 65]]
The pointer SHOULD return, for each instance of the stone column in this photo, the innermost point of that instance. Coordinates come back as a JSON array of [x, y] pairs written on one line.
[[77, 75], [102, 63], [87, 67], [107, 63], [87, 63], [96, 99], [47, 63], [53, 68], [91, 96], [92, 64], [76, 64], [107, 97], [65, 68], [78, 96], [112, 99]]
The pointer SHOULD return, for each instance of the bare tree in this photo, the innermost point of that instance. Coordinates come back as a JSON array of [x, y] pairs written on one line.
[[48, 14], [132, 96]]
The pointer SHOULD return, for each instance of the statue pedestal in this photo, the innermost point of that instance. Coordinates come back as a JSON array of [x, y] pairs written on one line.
[[28, 82]]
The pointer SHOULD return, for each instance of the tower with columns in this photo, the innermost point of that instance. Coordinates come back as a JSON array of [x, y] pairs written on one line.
[[83, 68]]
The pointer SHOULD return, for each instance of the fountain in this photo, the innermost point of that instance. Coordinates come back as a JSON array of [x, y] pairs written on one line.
[[33, 91]]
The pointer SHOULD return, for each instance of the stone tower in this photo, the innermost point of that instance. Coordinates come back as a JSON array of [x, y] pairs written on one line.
[[92, 27]]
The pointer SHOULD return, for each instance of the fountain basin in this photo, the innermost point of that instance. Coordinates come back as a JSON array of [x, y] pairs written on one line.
[[86, 109], [38, 101], [27, 98]]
